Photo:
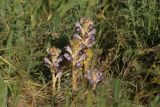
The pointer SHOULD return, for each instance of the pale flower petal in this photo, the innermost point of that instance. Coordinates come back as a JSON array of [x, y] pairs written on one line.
[[59, 59], [91, 41], [77, 36], [56, 64], [92, 32], [68, 57], [99, 76], [83, 57], [88, 76], [59, 74], [47, 62], [94, 76], [79, 27], [48, 51], [68, 49], [79, 65]]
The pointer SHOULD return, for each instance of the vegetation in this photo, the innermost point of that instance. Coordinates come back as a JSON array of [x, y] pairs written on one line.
[[127, 51]]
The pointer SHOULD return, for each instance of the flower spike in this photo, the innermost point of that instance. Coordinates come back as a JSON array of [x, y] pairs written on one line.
[[94, 76]]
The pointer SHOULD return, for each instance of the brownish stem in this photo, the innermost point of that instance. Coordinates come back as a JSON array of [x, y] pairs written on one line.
[[59, 84], [54, 79], [53, 83], [74, 77]]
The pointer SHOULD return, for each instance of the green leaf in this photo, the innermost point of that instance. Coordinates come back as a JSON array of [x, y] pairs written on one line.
[[116, 89]]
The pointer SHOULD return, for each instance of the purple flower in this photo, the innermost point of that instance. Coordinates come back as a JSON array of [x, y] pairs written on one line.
[[82, 57], [78, 25], [56, 64], [79, 65], [79, 62], [82, 46], [77, 36], [79, 28], [68, 49], [68, 57], [92, 32], [90, 26], [59, 59], [81, 52], [91, 41], [99, 76], [94, 76], [50, 64], [47, 62]]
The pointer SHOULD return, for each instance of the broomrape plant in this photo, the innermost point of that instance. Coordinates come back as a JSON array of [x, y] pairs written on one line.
[[53, 63], [79, 53]]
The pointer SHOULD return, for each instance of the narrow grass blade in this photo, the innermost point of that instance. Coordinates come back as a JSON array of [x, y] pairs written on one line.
[[116, 88]]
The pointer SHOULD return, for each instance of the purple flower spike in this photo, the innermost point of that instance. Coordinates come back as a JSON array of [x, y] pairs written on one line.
[[68, 57], [94, 76]]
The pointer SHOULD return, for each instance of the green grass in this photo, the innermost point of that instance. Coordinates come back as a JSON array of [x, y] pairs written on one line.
[[127, 51]]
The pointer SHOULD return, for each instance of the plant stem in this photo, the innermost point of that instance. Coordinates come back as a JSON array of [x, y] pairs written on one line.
[[74, 77], [54, 79], [59, 84]]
